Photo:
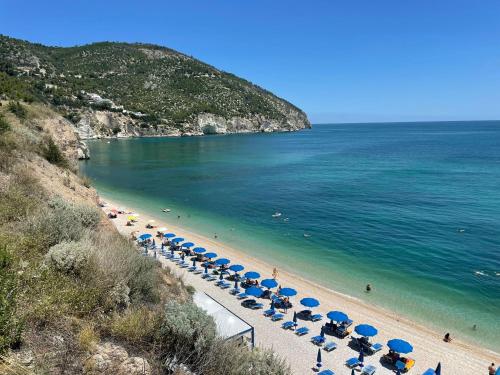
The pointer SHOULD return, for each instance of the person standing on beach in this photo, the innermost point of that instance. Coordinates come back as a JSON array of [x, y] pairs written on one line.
[[275, 273], [492, 370]]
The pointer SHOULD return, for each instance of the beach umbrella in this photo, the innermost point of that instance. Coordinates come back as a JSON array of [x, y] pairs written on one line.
[[254, 291], [199, 250], [438, 369], [169, 235], [221, 276], [398, 371], [236, 268], [400, 346], [206, 268], [361, 356], [177, 240], [352, 372], [187, 244], [309, 302], [337, 316], [252, 275], [194, 262], [287, 292], [145, 236], [269, 283], [366, 330], [236, 285], [322, 332], [131, 218], [211, 255], [318, 359], [222, 261]]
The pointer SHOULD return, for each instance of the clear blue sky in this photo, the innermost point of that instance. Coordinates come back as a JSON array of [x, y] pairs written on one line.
[[364, 60]]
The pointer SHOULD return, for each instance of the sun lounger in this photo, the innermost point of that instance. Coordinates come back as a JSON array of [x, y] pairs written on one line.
[[326, 372], [197, 271], [224, 285], [369, 370], [211, 278], [288, 325], [184, 264], [429, 372], [242, 295], [192, 269], [352, 362], [329, 346], [205, 275], [318, 340], [374, 348], [302, 331], [277, 317], [269, 312], [235, 291], [316, 317]]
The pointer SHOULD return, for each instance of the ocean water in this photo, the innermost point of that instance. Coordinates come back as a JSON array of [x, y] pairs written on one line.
[[412, 208]]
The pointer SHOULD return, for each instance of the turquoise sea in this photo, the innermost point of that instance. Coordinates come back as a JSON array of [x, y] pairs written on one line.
[[412, 208]]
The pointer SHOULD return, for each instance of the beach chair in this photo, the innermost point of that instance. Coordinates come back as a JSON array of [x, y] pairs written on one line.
[[269, 312], [235, 291], [318, 340], [302, 331], [316, 317], [352, 362], [329, 346], [257, 306], [224, 285], [277, 317], [184, 264], [192, 269], [197, 271], [368, 370], [288, 325], [326, 372], [242, 295], [429, 371], [374, 348], [211, 278]]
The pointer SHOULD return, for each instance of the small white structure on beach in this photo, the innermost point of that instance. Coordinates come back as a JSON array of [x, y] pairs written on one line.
[[229, 325]]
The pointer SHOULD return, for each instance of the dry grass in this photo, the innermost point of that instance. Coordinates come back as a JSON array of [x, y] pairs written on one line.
[[88, 338]]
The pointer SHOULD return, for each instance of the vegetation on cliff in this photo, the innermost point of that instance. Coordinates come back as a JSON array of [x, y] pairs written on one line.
[[72, 288], [155, 84]]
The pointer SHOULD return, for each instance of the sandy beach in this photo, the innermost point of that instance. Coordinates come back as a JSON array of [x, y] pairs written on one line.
[[429, 348]]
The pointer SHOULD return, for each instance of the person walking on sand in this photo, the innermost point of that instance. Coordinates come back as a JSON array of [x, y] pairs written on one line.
[[491, 369]]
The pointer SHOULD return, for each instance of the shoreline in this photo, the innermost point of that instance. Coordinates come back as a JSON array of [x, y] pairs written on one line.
[[429, 347]]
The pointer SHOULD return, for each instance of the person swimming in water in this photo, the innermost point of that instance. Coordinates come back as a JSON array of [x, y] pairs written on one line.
[[368, 288]]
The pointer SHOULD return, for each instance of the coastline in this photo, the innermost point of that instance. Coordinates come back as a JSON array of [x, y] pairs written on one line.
[[429, 347]]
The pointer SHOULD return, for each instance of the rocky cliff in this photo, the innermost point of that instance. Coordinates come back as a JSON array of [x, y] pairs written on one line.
[[119, 89]]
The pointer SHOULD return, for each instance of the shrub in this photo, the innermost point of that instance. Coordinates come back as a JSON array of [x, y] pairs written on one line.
[[18, 109], [69, 257], [4, 125], [53, 155], [186, 332], [10, 326], [88, 338], [137, 326]]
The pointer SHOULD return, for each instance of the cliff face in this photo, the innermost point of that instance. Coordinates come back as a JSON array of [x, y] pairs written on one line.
[[120, 89]]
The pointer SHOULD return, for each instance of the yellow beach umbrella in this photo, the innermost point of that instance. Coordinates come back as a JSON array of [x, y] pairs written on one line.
[[131, 218]]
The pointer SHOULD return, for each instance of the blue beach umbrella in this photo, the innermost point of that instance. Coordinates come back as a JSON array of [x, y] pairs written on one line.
[[337, 316], [269, 283], [222, 261], [169, 235], [252, 275], [236, 268], [236, 285], [187, 244], [287, 292], [254, 291], [177, 240], [206, 268], [145, 236], [318, 359], [400, 346], [365, 330], [211, 255], [438, 369], [309, 302], [199, 250]]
